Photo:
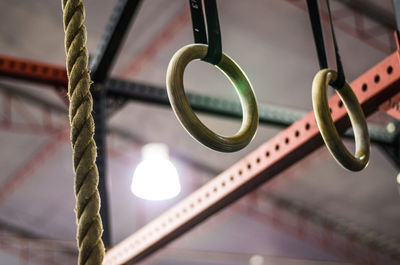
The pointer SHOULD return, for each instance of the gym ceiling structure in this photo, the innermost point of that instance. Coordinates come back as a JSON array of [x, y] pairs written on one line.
[[282, 199]]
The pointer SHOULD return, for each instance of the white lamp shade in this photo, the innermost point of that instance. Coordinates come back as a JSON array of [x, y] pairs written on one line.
[[155, 178]]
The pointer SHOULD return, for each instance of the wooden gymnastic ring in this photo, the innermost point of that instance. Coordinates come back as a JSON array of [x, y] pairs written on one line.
[[327, 127], [188, 118]]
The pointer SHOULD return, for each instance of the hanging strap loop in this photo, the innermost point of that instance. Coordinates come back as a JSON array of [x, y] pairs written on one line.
[[396, 8], [322, 112], [315, 19], [211, 53], [214, 52]]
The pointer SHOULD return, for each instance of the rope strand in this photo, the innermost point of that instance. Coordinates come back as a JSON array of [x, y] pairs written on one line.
[[90, 229]]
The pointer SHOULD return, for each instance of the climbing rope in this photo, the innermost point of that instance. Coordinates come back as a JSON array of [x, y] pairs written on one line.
[[90, 229]]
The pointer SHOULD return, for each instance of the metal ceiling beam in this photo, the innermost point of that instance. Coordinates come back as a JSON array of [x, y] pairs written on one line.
[[276, 146], [392, 106], [68, 246], [288, 147], [34, 248], [32, 98], [124, 134], [116, 88], [145, 91], [298, 212], [36, 159], [392, 152], [146, 88], [149, 52], [120, 132], [336, 237], [288, 208], [121, 18], [33, 71], [371, 36], [164, 36], [339, 237], [187, 255], [268, 114], [372, 11]]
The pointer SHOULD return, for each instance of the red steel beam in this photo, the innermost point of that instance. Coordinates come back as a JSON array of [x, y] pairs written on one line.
[[33, 249], [161, 39], [14, 70], [27, 128], [392, 106], [37, 158], [335, 237], [291, 145], [33, 71], [6, 102], [30, 124], [11, 67], [353, 30], [56, 76], [25, 114]]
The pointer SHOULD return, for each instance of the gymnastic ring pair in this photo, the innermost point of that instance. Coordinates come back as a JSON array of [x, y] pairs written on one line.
[[242, 138]]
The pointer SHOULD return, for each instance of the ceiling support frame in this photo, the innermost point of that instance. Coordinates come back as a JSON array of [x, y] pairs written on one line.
[[372, 88], [301, 138], [118, 89], [121, 18]]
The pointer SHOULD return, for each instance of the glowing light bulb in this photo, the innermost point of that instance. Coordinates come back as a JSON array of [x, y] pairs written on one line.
[[256, 260], [155, 178]]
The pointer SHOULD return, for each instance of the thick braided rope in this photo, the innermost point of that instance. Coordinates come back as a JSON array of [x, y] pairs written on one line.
[[90, 229]]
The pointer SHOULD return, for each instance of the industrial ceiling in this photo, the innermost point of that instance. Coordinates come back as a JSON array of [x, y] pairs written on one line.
[[272, 42]]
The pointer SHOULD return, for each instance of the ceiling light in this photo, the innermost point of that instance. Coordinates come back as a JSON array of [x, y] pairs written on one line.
[[256, 260], [155, 178]]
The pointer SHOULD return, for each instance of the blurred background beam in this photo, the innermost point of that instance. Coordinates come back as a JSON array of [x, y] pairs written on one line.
[[121, 18]]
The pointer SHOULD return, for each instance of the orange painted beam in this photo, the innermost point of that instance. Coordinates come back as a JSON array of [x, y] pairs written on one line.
[[372, 89]]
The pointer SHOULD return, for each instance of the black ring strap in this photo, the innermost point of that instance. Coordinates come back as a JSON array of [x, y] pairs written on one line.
[[315, 19], [396, 8], [214, 52]]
